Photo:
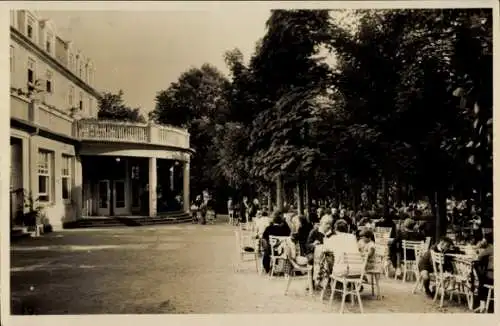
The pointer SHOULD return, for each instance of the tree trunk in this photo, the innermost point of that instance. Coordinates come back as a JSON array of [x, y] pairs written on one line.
[[307, 197], [441, 221], [385, 195], [300, 197], [270, 199], [279, 192]]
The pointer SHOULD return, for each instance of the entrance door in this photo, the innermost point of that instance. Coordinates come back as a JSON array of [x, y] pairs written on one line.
[[104, 194], [119, 198]]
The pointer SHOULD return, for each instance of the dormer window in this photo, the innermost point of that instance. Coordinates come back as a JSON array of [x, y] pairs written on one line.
[[30, 28], [71, 61], [48, 42]]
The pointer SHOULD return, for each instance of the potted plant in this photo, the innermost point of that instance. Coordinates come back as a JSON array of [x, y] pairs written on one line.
[[33, 215]]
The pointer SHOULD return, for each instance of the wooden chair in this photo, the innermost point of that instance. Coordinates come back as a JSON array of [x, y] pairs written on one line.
[[351, 281], [410, 266], [246, 246], [277, 252]]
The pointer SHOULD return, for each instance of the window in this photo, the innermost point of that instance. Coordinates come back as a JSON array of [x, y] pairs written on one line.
[[91, 106], [86, 73], [80, 71], [91, 76], [44, 175], [77, 62], [12, 53], [30, 28], [48, 42], [66, 176], [71, 61], [31, 70], [71, 96], [80, 104], [48, 82]]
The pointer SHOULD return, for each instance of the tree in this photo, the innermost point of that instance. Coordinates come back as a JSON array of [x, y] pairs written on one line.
[[287, 74], [112, 107], [197, 101]]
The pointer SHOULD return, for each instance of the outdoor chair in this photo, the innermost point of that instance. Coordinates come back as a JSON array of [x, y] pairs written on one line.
[[490, 298], [410, 266], [419, 283], [349, 271], [442, 278], [278, 253], [246, 248], [294, 267], [382, 252], [462, 283], [486, 231]]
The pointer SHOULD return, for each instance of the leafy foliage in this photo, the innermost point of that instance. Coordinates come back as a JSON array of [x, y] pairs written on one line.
[[112, 107]]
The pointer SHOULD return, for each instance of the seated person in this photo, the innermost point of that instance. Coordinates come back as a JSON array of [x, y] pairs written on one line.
[[317, 236], [277, 228], [304, 228], [407, 233], [484, 269], [445, 245], [367, 248]]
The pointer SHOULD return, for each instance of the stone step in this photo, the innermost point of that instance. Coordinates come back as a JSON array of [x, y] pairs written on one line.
[[173, 218]]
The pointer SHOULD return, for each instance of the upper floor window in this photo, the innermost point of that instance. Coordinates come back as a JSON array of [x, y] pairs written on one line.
[[71, 95], [80, 71], [91, 105], [49, 87], [30, 28], [77, 62], [71, 61], [80, 104], [12, 58], [91, 76], [48, 42], [31, 70]]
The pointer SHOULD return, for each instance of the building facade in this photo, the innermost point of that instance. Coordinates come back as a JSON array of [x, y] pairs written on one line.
[[70, 163]]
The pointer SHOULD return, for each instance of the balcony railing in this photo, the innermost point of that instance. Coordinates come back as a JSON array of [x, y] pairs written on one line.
[[111, 131], [60, 122]]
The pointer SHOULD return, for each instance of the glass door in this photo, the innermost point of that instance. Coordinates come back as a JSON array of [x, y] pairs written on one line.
[[103, 198], [119, 198]]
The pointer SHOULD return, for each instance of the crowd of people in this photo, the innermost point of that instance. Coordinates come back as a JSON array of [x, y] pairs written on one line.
[[320, 226]]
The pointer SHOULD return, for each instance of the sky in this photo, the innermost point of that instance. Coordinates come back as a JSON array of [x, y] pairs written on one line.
[[143, 52]]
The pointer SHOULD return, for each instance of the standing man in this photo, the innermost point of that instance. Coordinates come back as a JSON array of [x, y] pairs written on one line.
[[230, 210]]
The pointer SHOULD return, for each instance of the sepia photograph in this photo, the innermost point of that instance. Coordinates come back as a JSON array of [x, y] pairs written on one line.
[[251, 159]]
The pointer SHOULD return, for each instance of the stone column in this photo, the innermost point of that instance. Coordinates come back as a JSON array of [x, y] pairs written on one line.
[[152, 186], [185, 191]]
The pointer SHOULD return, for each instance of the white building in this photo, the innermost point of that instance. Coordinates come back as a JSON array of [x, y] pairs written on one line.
[[73, 164]]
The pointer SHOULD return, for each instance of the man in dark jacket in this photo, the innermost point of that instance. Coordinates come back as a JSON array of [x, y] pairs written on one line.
[[445, 246], [278, 228]]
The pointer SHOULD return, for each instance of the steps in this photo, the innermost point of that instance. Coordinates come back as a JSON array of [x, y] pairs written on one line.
[[165, 218], [19, 233]]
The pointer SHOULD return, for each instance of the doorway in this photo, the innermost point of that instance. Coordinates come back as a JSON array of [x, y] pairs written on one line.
[[112, 198]]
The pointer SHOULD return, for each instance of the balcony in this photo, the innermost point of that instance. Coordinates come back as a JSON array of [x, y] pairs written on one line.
[[111, 131], [40, 114]]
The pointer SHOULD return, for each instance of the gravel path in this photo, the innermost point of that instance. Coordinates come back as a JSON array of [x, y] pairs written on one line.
[[165, 269]]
